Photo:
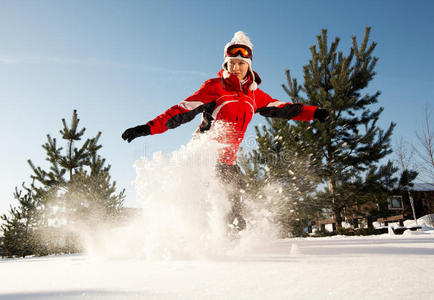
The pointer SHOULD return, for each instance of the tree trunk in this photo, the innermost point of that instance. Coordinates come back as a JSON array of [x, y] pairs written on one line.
[[338, 217], [369, 220], [336, 210]]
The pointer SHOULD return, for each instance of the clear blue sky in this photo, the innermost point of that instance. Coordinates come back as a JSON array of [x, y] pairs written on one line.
[[121, 63]]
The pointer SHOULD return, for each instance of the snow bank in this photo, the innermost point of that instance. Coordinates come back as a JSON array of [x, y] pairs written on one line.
[[425, 221]]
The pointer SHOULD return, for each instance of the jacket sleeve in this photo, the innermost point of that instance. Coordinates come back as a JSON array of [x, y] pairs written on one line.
[[185, 111], [269, 107]]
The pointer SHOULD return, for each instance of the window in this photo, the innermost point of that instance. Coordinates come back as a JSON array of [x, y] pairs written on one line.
[[395, 202]]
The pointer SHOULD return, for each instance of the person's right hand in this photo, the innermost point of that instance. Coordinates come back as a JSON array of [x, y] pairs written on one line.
[[321, 115], [131, 133]]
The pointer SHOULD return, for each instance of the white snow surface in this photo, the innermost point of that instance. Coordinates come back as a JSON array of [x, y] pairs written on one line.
[[180, 249], [377, 267]]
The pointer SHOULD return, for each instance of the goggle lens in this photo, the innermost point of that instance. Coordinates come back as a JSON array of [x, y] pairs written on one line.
[[236, 50]]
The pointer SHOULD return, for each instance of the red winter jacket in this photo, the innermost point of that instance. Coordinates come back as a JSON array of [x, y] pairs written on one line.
[[233, 103]]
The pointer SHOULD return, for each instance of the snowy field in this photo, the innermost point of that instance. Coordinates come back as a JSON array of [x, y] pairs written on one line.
[[376, 267], [179, 249]]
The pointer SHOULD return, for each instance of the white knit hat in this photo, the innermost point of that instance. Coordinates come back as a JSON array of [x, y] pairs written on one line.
[[240, 38]]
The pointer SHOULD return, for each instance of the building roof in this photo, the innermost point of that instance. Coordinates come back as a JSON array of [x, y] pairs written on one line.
[[423, 187]]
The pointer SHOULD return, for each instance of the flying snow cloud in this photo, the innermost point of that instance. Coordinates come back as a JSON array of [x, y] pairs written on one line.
[[185, 209]]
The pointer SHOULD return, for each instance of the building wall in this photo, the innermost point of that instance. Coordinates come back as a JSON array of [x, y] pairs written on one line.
[[424, 202]]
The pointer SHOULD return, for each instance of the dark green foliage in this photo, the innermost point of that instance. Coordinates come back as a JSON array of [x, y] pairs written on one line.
[[405, 190], [20, 237], [349, 146], [407, 178]]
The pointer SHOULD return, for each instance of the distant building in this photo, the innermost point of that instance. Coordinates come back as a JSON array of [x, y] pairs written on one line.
[[398, 209], [423, 195]]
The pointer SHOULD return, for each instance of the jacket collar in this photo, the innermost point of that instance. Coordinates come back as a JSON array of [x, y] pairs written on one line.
[[231, 82]]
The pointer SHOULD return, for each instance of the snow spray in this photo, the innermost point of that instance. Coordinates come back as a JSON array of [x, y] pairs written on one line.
[[184, 203], [185, 206]]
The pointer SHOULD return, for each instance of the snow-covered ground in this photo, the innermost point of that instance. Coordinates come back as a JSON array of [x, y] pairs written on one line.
[[180, 250], [375, 267]]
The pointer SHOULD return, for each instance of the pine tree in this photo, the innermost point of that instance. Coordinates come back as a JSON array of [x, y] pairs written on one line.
[[77, 189], [405, 189], [20, 238], [350, 143]]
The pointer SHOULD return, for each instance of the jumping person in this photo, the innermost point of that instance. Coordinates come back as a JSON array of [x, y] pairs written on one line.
[[230, 99]]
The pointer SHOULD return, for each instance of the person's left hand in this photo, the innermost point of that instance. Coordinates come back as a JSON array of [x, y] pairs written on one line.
[[321, 114]]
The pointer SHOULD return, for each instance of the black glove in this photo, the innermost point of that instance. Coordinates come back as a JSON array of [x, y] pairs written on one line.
[[131, 133], [321, 114]]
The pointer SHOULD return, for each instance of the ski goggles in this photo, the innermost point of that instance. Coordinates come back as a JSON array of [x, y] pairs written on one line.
[[235, 50]]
